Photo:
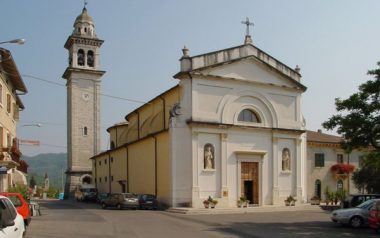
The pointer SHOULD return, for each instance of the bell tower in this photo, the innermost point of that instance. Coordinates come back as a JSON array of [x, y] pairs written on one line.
[[83, 76]]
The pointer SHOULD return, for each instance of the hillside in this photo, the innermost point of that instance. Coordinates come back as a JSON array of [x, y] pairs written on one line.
[[50, 164]]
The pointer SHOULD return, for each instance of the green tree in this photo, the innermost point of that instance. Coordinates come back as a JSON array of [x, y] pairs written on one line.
[[32, 182], [358, 120]]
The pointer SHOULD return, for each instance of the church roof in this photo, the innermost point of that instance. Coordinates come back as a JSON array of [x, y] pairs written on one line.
[[230, 55], [84, 17]]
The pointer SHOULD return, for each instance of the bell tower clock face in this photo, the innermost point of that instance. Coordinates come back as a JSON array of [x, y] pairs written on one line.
[[85, 96]]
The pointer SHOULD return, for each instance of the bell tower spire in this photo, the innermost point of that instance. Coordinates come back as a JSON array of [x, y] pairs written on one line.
[[83, 77]]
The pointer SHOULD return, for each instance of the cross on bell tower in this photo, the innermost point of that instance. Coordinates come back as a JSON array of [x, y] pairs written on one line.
[[248, 39]]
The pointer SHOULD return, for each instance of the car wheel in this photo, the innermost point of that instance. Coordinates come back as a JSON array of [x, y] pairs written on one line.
[[356, 222], [118, 206], [104, 205]]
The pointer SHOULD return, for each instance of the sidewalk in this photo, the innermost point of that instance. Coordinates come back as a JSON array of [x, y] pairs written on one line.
[[236, 210]]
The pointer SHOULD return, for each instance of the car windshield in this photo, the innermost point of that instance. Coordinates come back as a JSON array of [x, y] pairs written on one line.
[[15, 200], [366, 204]]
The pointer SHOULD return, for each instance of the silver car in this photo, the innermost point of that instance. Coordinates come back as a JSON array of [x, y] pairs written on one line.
[[356, 216]]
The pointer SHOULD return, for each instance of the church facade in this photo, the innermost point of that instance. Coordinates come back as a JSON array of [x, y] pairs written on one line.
[[231, 128]]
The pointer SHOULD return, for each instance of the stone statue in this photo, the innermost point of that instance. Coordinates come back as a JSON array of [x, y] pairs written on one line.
[[209, 157], [285, 159]]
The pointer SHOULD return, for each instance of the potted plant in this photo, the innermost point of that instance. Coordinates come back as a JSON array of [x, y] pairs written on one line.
[[315, 200], [243, 202], [213, 203], [290, 201], [206, 203]]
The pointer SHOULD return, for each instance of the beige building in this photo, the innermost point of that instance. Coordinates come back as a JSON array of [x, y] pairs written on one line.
[[232, 127], [323, 152], [12, 169]]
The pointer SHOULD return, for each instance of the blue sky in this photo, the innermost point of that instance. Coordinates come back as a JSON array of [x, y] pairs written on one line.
[[335, 43]]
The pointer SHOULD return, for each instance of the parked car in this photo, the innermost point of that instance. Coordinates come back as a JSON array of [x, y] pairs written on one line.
[[86, 192], [21, 205], [355, 199], [101, 196], [121, 200], [11, 223], [147, 201], [356, 216], [374, 216]]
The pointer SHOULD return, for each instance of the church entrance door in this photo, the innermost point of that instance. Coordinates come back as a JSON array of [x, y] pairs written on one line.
[[250, 181]]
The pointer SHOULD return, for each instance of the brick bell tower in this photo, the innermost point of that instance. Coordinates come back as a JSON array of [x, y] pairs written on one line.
[[83, 76]]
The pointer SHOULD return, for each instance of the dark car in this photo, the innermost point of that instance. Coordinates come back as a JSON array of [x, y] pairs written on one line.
[[356, 199], [101, 197], [121, 200], [147, 201]]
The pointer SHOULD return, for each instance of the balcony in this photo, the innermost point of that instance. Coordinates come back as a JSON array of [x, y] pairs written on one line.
[[342, 170]]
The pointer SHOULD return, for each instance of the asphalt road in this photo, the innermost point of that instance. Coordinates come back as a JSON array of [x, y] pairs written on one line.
[[72, 219]]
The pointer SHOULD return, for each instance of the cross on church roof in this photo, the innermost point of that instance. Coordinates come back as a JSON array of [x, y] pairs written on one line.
[[248, 23], [85, 3]]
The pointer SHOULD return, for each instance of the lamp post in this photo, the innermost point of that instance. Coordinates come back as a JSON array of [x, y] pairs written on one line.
[[15, 41]]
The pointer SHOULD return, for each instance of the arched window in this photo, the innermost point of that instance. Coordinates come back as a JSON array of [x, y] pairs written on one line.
[[80, 57], [317, 188], [90, 58], [248, 116], [85, 131], [112, 145]]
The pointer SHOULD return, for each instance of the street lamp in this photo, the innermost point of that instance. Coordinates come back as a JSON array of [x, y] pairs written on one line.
[[15, 41], [37, 125]]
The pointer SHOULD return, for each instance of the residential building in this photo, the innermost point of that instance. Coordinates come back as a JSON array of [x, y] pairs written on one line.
[[12, 169]]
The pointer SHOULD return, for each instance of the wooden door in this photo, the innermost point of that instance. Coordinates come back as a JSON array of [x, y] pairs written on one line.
[[249, 181]]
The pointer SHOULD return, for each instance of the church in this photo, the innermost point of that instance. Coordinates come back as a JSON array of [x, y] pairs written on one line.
[[232, 127]]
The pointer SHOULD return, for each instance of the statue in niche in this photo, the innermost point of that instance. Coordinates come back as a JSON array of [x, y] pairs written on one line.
[[209, 157], [285, 159]]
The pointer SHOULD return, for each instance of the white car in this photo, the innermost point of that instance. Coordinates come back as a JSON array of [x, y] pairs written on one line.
[[356, 216], [11, 223]]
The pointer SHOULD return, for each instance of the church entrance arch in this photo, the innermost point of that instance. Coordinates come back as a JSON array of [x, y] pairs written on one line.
[[86, 179]]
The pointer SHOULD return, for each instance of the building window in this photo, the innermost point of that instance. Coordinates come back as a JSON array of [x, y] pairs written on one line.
[[9, 140], [90, 58], [319, 160], [317, 188], [105, 179], [111, 159], [111, 178], [8, 103], [1, 94], [248, 116], [100, 180], [339, 158], [339, 184], [100, 162], [112, 145], [105, 161], [80, 60], [85, 131]]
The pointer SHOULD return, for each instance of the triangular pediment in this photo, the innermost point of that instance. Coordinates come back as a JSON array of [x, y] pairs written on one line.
[[252, 70]]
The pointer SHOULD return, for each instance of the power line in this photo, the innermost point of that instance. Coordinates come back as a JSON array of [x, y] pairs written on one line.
[[63, 85]]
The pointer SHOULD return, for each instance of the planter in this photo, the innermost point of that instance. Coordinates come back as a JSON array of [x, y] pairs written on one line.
[[207, 205], [315, 202], [287, 203], [212, 205]]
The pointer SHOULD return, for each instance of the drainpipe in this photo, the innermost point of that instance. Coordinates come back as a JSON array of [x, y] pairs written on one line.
[[109, 173], [127, 167]]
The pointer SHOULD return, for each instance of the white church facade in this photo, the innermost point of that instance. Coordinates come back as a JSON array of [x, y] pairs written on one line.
[[245, 107]]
